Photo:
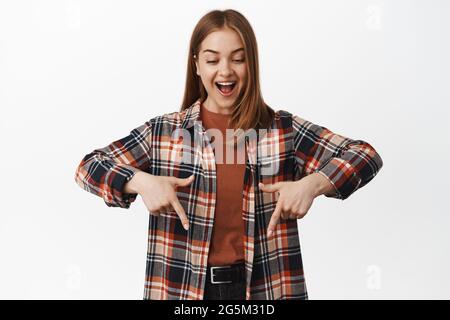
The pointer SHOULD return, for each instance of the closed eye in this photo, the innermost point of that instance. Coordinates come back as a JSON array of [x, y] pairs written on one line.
[[239, 61]]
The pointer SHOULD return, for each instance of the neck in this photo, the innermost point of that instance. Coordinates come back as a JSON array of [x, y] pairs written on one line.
[[212, 107]]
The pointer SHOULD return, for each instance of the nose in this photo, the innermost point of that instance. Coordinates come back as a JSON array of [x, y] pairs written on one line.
[[225, 69]]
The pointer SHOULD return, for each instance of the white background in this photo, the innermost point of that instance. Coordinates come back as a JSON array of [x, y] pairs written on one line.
[[76, 75]]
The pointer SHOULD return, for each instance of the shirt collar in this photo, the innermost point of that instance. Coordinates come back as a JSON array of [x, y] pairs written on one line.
[[192, 115]]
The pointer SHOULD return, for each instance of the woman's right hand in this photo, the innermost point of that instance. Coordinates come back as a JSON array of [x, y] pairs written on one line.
[[159, 193]]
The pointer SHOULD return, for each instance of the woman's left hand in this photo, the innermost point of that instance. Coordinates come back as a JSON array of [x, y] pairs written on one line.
[[295, 197]]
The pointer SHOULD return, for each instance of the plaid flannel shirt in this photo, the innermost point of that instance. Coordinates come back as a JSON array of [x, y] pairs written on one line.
[[177, 259]]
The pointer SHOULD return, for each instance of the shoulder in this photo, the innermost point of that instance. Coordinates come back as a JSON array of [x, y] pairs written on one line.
[[282, 119], [295, 120], [169, 120], [282, 113], [286, 119]]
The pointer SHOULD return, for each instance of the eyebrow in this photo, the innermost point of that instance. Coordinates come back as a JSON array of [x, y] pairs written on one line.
[[212, 51]]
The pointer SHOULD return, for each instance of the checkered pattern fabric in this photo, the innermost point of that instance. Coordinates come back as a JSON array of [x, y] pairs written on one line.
[[176, 258]]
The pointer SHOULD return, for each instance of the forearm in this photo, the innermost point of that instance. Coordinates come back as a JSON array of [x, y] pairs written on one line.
[[105, 171], [348, 164]]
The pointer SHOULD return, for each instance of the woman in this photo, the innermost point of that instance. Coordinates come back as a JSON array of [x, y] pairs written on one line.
[[226, 229]]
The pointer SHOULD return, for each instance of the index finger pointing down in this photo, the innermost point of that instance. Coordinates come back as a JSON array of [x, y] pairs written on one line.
[[180, 211], [274, 219]]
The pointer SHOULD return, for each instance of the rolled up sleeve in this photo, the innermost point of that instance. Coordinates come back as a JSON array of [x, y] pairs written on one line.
[[348, 164], [105, 171]]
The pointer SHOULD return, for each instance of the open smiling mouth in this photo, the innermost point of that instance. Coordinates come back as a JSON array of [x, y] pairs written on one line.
[[226, 88]]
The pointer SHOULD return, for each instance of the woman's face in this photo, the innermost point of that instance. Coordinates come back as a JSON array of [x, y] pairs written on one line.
[[222, 67]]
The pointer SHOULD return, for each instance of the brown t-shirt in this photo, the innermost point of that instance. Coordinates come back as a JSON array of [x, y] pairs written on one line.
[[227, 243]]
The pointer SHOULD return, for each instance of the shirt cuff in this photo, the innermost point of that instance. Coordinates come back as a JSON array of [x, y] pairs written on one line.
[[116, 179], [342, 175]]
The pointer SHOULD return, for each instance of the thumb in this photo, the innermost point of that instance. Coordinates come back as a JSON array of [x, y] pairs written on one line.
[[269, 187], [182, 182]]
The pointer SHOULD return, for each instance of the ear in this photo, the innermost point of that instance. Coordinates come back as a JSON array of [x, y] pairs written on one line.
[[196, 67], [196, 64]]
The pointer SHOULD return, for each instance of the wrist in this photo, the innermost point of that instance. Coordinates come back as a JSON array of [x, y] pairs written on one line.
[[322, 185], [135, 183]]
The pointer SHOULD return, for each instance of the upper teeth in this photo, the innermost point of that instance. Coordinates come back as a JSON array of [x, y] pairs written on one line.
[[225, 83]]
